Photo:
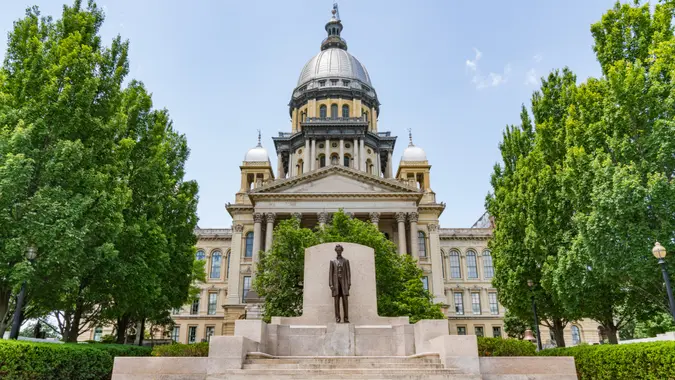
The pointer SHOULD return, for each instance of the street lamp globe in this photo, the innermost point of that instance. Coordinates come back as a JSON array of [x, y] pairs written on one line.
[[659, 251], [31, 252]]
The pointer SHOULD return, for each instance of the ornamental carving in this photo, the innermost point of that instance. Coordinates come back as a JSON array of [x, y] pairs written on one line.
[[432, 227], [238, 228], [297, 215], [400, 217], [257, 217], [375, 217], [270, 216], [413, 217], [323, 217]]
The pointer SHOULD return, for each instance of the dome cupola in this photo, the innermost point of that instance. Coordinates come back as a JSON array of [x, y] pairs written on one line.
[[257, 153], [413, 153]]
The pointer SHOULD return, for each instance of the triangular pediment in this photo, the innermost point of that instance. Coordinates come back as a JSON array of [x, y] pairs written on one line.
[[336, 180]]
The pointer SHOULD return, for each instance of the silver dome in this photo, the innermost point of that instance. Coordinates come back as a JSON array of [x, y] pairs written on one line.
[[334, 62], [414, 153], [257, 154]]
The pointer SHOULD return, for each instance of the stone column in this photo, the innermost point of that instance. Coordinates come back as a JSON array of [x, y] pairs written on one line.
[[269, 230], [342, 152], [291, 165], [306, 157], [435, 254], [235, 260], [323, 218], [414, 248], [257, 239], [356, 154], [312, 157], [362, 155], [389, 165], [378, 164], [400, 218], [375, 218], [327, 153], [279, 165]]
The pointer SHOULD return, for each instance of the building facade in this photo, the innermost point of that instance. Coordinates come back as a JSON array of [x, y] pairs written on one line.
[[335, 156]]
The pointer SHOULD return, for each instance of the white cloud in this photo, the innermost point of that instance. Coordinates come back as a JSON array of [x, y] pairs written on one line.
[[483, 81], [531, 78], [537, 58], [473, 65]]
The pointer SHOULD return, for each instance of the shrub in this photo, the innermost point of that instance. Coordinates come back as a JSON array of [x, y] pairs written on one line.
[[504, 347], [177, 349], [649, 361], [28, 360]]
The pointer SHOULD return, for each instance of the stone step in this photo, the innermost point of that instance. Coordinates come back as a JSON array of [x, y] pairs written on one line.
[[350, 361], [272, 364], [344, 374]]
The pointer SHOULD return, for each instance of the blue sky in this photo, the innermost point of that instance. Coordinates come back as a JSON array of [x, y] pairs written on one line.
[[456, 72]]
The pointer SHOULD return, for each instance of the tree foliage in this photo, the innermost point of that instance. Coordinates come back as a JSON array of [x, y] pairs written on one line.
[[91, 175], [399, 281], [582, 196]]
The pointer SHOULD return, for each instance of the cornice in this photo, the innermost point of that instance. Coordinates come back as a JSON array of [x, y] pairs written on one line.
[[214, 233], [331, 195], [465, 233]]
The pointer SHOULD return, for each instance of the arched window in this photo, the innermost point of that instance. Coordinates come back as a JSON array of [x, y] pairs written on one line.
[[300, 166], [323, 111], [249, 245], [421, 244], [322, 160], [334, 111], [346, 161], [229, 254], [442, 264], [471, 264], [345, 111], [369, 165], [488, 269], [334, 159], [216, 261], [576, 335], [455, 269], [200, 255]]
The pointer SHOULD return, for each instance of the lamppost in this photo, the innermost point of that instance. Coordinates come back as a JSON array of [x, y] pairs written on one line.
[[31, 253], [530, 283], [660, 253]]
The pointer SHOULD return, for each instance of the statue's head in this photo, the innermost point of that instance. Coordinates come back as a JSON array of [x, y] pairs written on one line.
[[338, 250]]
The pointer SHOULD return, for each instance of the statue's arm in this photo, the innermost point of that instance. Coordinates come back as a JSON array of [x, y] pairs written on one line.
[[349, 275], [330, 274]]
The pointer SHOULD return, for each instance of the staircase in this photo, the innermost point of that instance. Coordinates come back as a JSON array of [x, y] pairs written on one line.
[[423, 366]]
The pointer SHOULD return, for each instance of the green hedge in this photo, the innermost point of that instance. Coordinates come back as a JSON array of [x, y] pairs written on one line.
[[652, 361], [504, 347], [177, 349], [32, 361]]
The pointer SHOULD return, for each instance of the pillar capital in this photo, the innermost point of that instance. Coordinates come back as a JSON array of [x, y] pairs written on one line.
[[432, 227], [323, 217], [400, 217], [258, 217], [238, 228], [413, 217], [375, 217], [270, 217]]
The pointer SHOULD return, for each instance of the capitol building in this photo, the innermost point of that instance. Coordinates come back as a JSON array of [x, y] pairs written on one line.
[[336, 156]]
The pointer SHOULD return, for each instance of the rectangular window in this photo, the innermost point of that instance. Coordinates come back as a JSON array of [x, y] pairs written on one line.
[[425, 282], [455, 271], [210, 331], [475, 303], [459, 303], [461, 330], [496, 331], [98, 333], [192, 334], [175, 334], [194, 309], [247, 287], [494, 306], [213, 301], [479, 331]]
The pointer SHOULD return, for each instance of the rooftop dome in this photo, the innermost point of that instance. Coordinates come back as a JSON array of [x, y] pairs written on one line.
[[334, 62], [257, 153], [413, 153]]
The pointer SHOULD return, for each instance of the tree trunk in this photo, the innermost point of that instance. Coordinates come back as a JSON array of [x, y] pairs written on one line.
[[611, 331], [559, 332], [6, 314], [122, 324], [74, 330], [140, 330]]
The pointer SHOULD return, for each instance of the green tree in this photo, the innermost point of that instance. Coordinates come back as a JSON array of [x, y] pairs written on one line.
[[515, 327], [399, 280]]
